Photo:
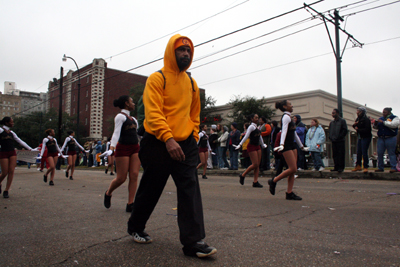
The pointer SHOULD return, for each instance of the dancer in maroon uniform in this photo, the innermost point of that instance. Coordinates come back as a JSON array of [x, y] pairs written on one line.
[[288, 148], [71, 142], [126, 145], [52, 154], [254, 150], [204, 148], [8, 156]]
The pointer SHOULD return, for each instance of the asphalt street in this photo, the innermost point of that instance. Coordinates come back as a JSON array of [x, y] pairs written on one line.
[[339, 222]]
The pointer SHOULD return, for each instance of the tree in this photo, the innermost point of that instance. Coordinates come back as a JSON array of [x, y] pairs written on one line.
[[136, 93], [207, 108], [31, 127], [242, 107]]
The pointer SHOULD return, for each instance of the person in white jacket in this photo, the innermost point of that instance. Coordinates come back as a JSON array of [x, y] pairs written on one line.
[[315, 138], [222, 161]]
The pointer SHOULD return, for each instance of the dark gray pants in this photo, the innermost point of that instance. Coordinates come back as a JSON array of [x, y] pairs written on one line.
[[158, 166]]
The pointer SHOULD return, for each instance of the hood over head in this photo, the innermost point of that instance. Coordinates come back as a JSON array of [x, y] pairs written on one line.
[[170, 64], [299, 123], [363, 110]]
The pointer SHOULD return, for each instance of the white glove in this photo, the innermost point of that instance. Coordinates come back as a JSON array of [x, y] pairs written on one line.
[[61, 155], [107, 153], [278, 148], [264, 146], [38, 157], [87, 151], [305, 149], [236, 147], [213, 153], [35, 150]]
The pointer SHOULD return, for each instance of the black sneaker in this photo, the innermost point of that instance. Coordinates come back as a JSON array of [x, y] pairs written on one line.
[[204, 177], [71, 178], [111, 173], [241, 179], [106, 171], [272, 186], [334, 170], [257, 184], [107, 200], [141, 237], [129, 207], [45, 178], [200, 249], [66, 174], [51, 183], [0, 188], [292, 196], [5, 194]]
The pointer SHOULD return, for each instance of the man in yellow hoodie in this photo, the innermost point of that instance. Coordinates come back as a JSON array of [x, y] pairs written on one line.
[[169, 147]]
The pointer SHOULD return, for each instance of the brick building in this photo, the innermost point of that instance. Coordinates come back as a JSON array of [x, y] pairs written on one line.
[[99, 87]]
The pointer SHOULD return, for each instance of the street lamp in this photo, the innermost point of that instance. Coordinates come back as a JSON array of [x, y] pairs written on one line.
[[79, 93]]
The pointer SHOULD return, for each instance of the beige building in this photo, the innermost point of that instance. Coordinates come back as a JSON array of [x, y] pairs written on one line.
[[9, 105], [319, 104]]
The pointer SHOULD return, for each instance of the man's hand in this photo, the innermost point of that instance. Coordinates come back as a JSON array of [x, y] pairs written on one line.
[[174, 150]]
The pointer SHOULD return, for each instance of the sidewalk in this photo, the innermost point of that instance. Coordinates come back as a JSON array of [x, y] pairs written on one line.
[[327, 174]]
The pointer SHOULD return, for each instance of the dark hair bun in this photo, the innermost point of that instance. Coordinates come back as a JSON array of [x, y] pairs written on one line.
[[120, 102]]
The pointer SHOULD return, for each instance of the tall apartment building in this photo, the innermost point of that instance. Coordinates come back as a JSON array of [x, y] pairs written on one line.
[[17, 102], [33, 102], [99, 87], [9, 105]]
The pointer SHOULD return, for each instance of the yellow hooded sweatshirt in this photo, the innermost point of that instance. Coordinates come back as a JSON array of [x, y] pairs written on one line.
[[173, 112]]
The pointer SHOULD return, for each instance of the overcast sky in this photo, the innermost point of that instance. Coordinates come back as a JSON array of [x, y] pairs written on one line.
[[36, 34]]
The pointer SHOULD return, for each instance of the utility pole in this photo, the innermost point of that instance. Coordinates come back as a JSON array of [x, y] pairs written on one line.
[[60, 105], [336, 21], [338, 64]]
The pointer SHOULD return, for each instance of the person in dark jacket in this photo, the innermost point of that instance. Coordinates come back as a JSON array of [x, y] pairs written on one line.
[[301, 132], [233, 139], [363, 127], [337, 134], [388, 127]]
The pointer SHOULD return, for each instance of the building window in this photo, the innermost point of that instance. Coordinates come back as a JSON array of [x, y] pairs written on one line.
[[74, 97], [85, 121], [86, 107], [87, 93], [74, 111], [87, 79]]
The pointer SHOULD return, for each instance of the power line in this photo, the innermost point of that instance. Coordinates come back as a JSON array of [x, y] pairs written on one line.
[[177, 30], [250, 40], [258, 23], [292, 62], [368, 9], [253, 47]]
